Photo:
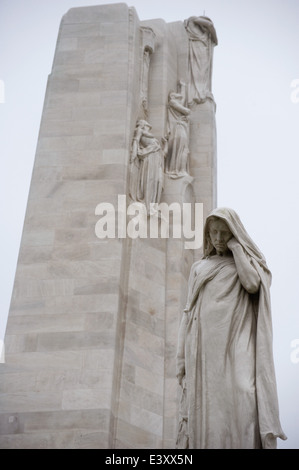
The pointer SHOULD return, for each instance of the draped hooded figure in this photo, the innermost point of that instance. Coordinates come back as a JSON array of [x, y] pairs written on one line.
[[147, 166], [225, 359], [178, 141], [202, 39]]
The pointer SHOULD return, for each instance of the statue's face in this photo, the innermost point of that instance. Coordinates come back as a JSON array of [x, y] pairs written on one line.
[[220, 234]]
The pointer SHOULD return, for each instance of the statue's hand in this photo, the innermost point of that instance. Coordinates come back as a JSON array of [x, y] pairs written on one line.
[[270, 442], [232, 243]]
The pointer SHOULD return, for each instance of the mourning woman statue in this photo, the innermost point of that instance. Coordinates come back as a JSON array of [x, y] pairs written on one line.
[[147, 166], [225, 360]]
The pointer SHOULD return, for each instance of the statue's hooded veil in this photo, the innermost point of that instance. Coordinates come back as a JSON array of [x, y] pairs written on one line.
[[238, 230]]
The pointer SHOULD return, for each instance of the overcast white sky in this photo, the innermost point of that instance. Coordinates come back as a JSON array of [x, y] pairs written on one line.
[[255, 65]]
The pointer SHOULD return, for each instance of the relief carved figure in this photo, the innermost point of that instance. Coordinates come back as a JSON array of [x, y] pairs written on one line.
[[225, 360], [178, 134], [148, 47], [144, 79], [202, 39], [147, 166]]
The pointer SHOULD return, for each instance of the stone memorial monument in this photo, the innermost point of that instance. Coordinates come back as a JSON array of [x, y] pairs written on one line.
[[91, 339]]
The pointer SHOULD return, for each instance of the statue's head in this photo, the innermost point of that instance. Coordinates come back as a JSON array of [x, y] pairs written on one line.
[[143, 124], [217, 234], [206, 18], [231, 222], [221, 219]]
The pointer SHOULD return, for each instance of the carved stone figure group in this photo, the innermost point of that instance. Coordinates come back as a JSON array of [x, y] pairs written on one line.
[[150, 159], [147, 166]]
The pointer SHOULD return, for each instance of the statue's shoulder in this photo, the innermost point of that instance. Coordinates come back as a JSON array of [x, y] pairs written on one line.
[[196, 267]]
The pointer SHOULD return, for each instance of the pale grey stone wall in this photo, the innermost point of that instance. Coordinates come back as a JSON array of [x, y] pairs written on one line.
[[92, 329], [57, 386]]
